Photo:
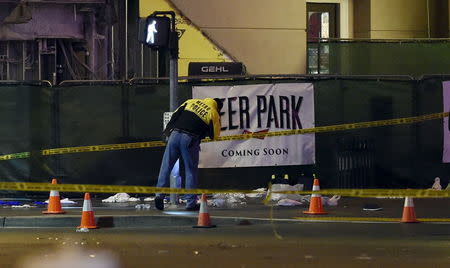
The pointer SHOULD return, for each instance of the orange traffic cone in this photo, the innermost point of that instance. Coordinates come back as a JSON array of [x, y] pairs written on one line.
[[54, 202], [87, 216], [409, 214], [203, 216], [315, 204]]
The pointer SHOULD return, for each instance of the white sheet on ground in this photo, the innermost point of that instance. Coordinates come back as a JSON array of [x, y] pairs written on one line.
[[64, 201], [289, 203], [286, 187], [260, 192], [120, 197], [228, 200]]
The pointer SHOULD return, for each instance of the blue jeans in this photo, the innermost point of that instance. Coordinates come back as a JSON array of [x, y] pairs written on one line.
[[187, 147]]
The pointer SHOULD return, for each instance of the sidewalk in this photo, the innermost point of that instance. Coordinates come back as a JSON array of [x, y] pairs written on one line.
[[110, 215]]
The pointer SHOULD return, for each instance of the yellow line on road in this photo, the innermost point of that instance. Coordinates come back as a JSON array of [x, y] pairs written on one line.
[[366, 219]]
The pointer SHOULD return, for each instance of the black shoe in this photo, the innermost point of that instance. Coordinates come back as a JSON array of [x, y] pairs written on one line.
[[159, 203], [196, 207]]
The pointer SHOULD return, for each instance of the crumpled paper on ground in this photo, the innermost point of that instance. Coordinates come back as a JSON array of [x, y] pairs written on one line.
[[286, 187], [143, 206], [326, 201], [120, 197], [437, 184], [64, 201], [229, 200], [232, 200], [166, 200], [149, 199], [23, 206], [259, 193], [289, 203], [330, 201]]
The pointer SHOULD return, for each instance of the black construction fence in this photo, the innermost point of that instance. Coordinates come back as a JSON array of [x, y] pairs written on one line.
[[36, 116]]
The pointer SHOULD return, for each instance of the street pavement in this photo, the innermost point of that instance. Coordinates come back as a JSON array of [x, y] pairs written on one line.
[[254, 211], [260, 245]]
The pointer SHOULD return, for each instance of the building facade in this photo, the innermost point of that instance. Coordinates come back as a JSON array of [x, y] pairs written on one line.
[[98, 39], [56, 40], [271, 37]]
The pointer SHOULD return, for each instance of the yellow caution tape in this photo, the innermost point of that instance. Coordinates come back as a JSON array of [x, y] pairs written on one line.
[[333, 128], [15, 156], [97, 188], [150, 144], [91, 148], [268, 195], [105, 147], [420, 193]]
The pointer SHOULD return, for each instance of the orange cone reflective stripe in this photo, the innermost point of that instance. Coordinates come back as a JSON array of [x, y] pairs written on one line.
[[87, 216], [54, 202], [203, 216], [409, 213], [315, 204]]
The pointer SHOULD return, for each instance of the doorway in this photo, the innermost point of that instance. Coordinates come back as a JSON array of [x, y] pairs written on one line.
[[322, 23], [323, 20]]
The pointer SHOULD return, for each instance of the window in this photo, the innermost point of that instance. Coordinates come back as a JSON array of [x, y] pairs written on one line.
[[322, 23]]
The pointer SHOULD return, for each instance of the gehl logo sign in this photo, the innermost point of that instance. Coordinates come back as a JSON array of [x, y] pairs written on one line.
[[215, 68]]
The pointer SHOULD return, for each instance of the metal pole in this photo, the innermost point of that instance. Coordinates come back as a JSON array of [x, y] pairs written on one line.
[[142, 60], [318, 56], [428, 19], [112, 75], [8, 77], [173, 83], [91, 45], [157, 63], [24, 55], [173, 71], [126, 40], [173, 68]]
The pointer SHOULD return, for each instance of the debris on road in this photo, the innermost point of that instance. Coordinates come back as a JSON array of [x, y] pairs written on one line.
[[119, 198], [437, 184], [331, 201], [64, 201], [228, 200], [261, 192], [149, 199], [372, 207], [22, 206], [286, 187], [289, 203], [143, 206]]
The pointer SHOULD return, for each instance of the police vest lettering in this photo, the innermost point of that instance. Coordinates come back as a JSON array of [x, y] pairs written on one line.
[[199, 108]]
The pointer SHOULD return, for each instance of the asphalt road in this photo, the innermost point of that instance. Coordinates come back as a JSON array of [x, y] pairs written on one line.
[[262, 245]]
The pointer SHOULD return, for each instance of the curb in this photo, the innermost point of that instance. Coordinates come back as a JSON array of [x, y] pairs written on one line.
[[106, 221], [130, 221]]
